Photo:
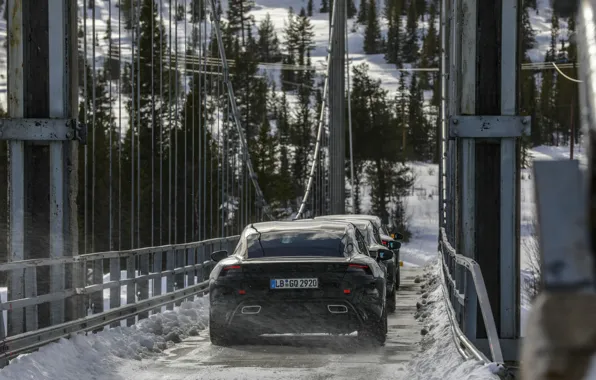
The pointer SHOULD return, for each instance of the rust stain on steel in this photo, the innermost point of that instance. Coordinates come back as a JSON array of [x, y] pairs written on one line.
[[15, 37]]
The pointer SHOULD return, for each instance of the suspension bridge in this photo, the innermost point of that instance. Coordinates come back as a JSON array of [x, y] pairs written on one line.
[[144, 193]]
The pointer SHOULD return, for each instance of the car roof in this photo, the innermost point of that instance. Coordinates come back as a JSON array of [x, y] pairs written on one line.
[[352, 216], [358, 222], [303, 224]]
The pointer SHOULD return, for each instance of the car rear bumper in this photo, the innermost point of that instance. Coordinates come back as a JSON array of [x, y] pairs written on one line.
[[262, 316]]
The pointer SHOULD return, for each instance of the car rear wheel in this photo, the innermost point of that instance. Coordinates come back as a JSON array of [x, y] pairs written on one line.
[[391, 302], [218, 335], [376, 332]]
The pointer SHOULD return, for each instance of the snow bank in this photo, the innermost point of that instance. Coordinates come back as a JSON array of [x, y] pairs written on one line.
[[98, 355], [440, 358]]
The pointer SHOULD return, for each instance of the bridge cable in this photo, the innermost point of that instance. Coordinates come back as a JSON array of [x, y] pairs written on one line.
[[321, 119], [215, 18], [350, 119]]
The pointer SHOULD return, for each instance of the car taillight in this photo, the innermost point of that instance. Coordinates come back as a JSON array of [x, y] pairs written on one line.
[[230, 269], [385, 242], [359, 267]]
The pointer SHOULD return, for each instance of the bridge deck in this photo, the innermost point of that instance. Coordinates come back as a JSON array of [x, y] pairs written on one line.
[[306, 358]]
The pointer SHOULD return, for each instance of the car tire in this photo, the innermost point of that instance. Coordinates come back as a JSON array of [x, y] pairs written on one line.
[[376, 332], [391, 302], [219, 334], [397, 279]]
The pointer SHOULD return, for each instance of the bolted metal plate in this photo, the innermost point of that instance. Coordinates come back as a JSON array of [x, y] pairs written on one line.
[[38, 129], [489, 126]]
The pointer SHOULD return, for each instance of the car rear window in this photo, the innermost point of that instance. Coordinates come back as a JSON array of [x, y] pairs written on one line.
[[295, 243]]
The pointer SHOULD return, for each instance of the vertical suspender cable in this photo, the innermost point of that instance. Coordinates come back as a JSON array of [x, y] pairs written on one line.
[[352, 190], [235, 113], [194, 89], [119, 131], [204, 161], [321, 119], [139, 126], [111, 132], [176, 123], [93, 122], [132, 129], [200, 163], [152, 132], [170, 126], [161, 123], [185, 60], [85, 113]]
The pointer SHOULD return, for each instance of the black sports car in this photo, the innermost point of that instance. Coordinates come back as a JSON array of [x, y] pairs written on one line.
[[286, 277], [372, 238]]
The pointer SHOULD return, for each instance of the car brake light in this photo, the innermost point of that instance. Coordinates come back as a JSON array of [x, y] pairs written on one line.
[[347, 291], [358, 266], [385, 242], [231, 267]]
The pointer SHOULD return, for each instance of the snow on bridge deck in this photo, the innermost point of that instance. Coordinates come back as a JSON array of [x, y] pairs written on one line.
[[304, 358]]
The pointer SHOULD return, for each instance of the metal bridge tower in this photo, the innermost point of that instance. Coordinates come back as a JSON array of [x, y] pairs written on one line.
[[480, 155], [337, 111], [41, 134]]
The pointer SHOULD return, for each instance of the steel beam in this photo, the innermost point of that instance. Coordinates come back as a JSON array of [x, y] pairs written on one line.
[[337, 104], [490, 126], [16, 154], [509, 242]]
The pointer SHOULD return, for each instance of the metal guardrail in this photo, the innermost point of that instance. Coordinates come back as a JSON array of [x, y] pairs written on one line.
[[184, 261], [463, 283]]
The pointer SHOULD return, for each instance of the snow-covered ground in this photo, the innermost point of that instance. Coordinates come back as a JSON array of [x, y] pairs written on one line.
[[97, 356], [440, 360]]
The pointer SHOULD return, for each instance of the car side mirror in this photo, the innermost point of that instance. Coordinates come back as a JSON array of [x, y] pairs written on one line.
[[394, 245], [397, 236], [218, 256], [385, 254]]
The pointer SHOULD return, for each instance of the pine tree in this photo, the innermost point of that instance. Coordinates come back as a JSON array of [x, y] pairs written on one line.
[[372, 116], [197, 11], [239, 21], [351, 9], [363, 12], [324, 6], [410, 43], [372, 32], [288, 77], [98, 115], [394, 32], [419, 140], [430, 49], [268, 43], [309, 8], [401, 103], [194, 115], [148, 113], [529, 94]]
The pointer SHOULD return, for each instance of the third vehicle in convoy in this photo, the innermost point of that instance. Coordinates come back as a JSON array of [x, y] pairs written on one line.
[[371, 241], [287, 277]]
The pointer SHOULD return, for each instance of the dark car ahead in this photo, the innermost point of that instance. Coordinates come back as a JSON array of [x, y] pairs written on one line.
[[372, 239], [286, 277], [383, 235]]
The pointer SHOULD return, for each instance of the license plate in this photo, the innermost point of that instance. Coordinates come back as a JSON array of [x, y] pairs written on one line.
[[295, 283]]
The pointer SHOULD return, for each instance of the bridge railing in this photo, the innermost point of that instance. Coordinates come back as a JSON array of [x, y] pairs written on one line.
[[464, 289], [187, 269]]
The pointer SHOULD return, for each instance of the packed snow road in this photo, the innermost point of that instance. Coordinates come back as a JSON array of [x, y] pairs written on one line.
[[290, 358]]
